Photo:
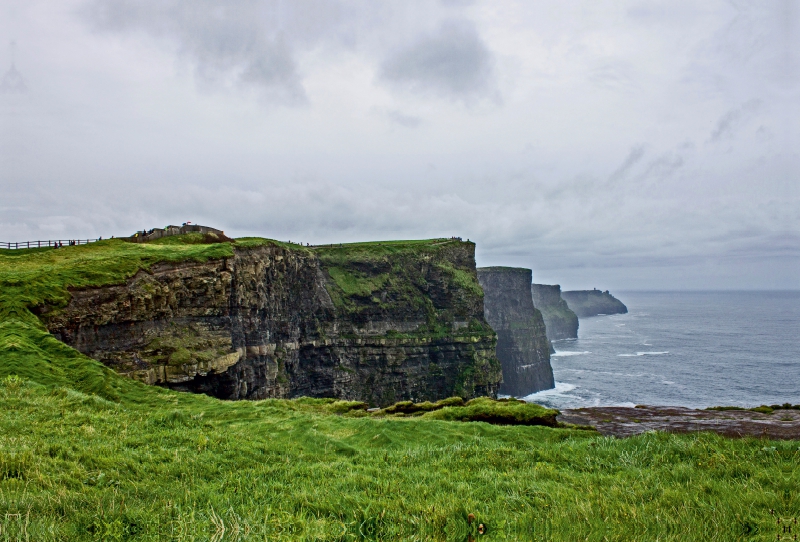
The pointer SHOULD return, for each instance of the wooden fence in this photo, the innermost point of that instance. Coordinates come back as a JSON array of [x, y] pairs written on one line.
[[50, 243]]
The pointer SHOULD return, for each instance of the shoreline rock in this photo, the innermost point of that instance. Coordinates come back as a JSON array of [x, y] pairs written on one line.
[[629, 421]]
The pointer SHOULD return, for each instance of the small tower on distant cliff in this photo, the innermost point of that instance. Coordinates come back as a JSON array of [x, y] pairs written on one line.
[[12, 82]]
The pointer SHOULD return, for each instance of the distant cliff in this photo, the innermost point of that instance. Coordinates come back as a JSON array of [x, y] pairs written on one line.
[[375, 322], [560, 321], [522, 345], [593, 302]]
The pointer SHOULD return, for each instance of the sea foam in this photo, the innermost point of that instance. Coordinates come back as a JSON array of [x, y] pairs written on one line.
[[561, 389]]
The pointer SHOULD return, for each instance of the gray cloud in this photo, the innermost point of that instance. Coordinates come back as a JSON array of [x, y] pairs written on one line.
[[403, 119], [634, 156], [592, 172], [453, 62], [240, 42], [730, 121]]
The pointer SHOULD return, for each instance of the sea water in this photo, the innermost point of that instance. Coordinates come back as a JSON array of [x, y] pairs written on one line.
[[694, 349]]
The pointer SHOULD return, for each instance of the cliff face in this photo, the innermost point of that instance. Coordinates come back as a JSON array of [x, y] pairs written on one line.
[[376, 323], [522, 345], [586, 303], [560, 321]]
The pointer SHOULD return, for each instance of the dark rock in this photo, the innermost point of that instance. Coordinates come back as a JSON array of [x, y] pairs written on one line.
[[560, 321], [522, 345], [368, 324], [587, 303]]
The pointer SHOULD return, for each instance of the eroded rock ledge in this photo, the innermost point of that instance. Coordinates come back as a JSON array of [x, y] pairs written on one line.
[[782, 423], [375, 324]]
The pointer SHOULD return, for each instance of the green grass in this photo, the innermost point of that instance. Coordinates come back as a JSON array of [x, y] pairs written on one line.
[[75, 466], [88, 455], [32, 277], [484, 409], [353, 284]]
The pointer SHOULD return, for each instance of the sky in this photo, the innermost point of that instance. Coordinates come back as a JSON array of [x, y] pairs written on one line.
[[610, 144]]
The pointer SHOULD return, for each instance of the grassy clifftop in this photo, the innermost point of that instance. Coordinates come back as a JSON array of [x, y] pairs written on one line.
[[87, 455], [34, 277]]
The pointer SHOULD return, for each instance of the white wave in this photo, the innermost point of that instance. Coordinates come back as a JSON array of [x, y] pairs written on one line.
[[567, 353], [641, 354], [561, 389]]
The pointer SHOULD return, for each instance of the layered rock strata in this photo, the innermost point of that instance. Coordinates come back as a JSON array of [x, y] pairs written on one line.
[[587, 303], [522, 345], [372, 323], [559, 320]]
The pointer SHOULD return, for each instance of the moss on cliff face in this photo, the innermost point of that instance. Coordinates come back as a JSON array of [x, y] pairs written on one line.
[[432, 283]]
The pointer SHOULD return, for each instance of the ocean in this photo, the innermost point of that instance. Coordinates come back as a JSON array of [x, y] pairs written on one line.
[[693, 349]]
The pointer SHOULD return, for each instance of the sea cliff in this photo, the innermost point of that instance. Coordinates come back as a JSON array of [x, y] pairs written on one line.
[[374, 322], [559, 320], [522, 345], [586, 303]]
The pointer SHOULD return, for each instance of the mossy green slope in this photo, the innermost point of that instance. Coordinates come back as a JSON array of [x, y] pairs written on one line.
[[87, 455], [30, 278], [392, 276]]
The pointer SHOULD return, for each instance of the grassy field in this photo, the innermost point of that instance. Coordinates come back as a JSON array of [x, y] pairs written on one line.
[[87, 455]]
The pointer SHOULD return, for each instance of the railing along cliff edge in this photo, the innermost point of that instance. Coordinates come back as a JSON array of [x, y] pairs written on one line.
[[49, 243]]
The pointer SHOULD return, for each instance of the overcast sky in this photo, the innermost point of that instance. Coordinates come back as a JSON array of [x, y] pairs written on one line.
[[609, 144]]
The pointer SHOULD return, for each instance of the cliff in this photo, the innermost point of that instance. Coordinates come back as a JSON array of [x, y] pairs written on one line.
[[374, 322], [522, 345], [593, 302], [559, 320]]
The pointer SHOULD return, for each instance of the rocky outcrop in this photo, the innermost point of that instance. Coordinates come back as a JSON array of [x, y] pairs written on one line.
[[560, 321], [586, 303], [371, 322], [522, 345], [782, 422]]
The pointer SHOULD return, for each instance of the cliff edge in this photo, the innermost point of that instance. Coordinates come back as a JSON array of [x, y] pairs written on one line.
[[560, 322], [374, 322], [586, 303], [522, 345]]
